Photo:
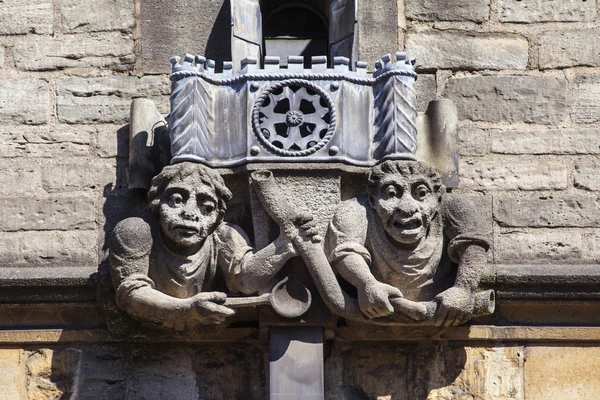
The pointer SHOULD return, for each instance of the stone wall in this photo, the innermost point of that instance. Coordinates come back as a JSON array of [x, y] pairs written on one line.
[[525, 76]]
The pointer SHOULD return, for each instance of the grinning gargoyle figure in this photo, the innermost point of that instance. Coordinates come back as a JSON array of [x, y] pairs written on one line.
[[408, 238], [173, 266]]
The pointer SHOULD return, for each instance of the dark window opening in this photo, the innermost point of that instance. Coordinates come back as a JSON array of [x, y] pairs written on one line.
[[295, 29]]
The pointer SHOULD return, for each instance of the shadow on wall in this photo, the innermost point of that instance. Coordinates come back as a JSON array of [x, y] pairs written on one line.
[[365, 371], [218, 45], [148, 372]]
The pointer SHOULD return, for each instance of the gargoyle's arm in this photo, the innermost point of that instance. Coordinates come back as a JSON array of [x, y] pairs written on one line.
[[255, 270], [354, 269], [146, 303], [470, 267]]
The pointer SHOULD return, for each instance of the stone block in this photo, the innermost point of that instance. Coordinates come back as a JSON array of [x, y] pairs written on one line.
[[560, 49], [109, 50], [473, 141], [159, 373], [510, 98], [10, 248], [585, 107], [562, 372], [587, 175], [16, 105], [106, 99], [44, 142], [447, 10], [112, 143], [474, 372], [426, 87], [26, 16], [2, 55], [467, 51], [19, 179], [74, 176], [45, 214], [539, 246], [554, 141], [102, 374], [513, 175], [377, 29], [51, 373], [547, 211], [163, 36], [11, 378], [97, 15], [60, 248], [547, 10]]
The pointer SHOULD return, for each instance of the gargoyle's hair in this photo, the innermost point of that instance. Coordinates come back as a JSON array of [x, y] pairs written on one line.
[[404, 168], [183, 170]]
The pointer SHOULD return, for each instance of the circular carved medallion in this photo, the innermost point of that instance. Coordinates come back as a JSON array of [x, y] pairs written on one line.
[[294, 118]]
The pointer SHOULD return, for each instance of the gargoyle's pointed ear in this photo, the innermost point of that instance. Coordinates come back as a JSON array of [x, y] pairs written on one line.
[[246, 31], [147, 136]]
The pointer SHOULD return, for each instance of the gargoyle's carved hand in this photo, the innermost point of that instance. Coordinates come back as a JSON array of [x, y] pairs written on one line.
[[374, 299], [207, 308], [455, 306], [303, 227]]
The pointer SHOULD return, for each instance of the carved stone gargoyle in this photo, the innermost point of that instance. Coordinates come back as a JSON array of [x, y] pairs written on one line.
[[404, 251]]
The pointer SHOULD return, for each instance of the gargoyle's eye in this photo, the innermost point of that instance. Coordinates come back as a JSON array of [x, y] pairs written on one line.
[[207, 207], [421, 191], [390, 192], [176, 198]]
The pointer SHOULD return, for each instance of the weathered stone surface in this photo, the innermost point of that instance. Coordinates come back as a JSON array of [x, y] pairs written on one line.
[[97, 15], [586, 176], [112, 143], [9, 248], [162, 36], [53, 213], [239, 370], [51, 373], [554, 141], [19, 179], [60, 248], [16, 105], [73, 176], [2, 53], [483, 373], [426, 88], [557, 372], [559, 49], [473, 141], [509, 98], [377, 29], [551, 212], [513, 175], [585, 108], [467, 51], [447, 10], [26, 16], [537, 247], [547, 11], [44, 142], [109, 50], [149, 379], [10, 378], [105, 99]]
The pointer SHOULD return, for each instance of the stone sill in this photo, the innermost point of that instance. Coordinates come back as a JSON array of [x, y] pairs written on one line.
[[398, 334], [51, 284]]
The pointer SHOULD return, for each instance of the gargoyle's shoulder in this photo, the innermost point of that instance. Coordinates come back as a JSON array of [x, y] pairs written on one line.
[[132, 235], [351, 213]]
